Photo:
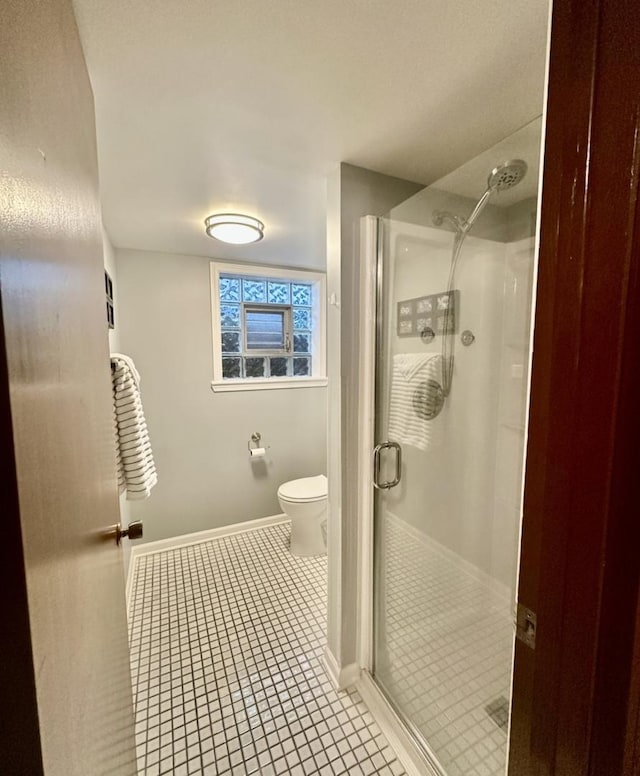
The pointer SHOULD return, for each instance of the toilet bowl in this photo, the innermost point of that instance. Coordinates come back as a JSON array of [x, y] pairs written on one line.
[[304, 501]]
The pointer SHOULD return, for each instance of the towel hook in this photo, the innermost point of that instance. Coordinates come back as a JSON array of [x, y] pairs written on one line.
[[256, 438]]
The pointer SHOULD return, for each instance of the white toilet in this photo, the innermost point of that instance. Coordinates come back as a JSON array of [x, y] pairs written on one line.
[[305, 502]]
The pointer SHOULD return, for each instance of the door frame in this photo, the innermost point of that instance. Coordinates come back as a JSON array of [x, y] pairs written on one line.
[[417, 759], [573, 711], [370, 276]]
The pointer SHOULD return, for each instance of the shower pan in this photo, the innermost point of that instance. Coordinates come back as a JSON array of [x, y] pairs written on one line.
[[450, 430]]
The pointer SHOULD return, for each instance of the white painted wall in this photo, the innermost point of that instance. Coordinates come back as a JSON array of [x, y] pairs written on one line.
[[352, 192], [199, 438]]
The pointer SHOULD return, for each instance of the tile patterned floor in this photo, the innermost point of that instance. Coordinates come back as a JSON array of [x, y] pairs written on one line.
[[226, 639], [447, 653]]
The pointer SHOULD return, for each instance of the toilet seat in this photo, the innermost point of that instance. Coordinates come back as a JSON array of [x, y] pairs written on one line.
[[304, 490]]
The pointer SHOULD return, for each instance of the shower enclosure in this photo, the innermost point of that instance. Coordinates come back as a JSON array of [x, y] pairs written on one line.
[[455, 285]]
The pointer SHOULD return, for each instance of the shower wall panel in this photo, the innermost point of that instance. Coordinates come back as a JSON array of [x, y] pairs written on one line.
[[464, 437]]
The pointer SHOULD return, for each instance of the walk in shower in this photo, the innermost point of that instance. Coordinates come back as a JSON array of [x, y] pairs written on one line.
[[455, 270]]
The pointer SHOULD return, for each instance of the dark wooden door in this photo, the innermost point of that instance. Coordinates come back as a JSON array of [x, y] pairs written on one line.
[[575, 697], [65, 682]]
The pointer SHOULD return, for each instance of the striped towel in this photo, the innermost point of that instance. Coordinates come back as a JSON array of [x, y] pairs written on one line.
[[410, 374], [134, 459]]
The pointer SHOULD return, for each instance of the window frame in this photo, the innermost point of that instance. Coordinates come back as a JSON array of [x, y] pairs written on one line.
[[317, 280], [258, 307]]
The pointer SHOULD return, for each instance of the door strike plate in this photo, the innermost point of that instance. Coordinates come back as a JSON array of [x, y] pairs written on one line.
[[526, 623]]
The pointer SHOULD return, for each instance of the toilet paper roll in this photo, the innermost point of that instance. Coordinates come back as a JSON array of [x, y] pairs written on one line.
[[258, 452]]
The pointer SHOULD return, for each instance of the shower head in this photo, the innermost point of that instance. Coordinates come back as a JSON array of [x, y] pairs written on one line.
[[504, 176], [507, 175]]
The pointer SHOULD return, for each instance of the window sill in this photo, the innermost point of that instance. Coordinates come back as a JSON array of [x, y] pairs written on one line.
[[270, 384]]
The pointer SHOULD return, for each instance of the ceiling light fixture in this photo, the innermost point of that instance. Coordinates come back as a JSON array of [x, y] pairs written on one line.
[[234, 228]]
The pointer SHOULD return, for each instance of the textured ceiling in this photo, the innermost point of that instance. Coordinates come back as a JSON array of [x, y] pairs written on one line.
[[212, 105]]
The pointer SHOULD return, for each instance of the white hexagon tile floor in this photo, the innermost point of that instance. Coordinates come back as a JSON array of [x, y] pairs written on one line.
[[226, 638]]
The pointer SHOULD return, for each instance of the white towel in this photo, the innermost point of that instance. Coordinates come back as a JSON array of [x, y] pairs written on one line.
[[129, 362], [411, 371], [134, 458]]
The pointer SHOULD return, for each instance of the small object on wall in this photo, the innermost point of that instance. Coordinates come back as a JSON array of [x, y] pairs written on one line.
[[428, 399], [255, 450], [467, 337], [108, 287], [427, 335], [426, 316]]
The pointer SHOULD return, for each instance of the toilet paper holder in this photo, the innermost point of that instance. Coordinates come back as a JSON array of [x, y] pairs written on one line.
[[255, 440]]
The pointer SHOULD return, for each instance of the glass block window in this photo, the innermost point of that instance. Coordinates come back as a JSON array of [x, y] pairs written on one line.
[[279, 367], [229, 289], [230, 316], [302, 318], [267, 325], [301, 293], [279, 293], [254, 367], [254, 290], [302, 342], [301, 367], [231, 368], [230, 341]]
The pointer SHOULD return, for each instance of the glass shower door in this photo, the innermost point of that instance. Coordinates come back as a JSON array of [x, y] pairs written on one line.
[[454, 316]]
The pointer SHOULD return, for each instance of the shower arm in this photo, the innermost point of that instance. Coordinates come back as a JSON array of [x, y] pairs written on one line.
[[480, 206], [448, 339], [504, 176], [462, 225]]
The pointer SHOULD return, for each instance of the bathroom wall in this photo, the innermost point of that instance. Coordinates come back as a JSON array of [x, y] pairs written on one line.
[[114, 347], [513, 383], [199, 438], [447, 489], [353, 192], [463, 490]]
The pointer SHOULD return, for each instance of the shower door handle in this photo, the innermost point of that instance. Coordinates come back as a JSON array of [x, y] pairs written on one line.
[[377, 450]]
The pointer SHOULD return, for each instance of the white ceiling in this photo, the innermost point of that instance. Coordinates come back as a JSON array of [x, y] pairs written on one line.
[[214, 105]]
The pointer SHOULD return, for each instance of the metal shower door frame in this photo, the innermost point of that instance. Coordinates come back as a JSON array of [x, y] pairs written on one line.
[[394, 723]]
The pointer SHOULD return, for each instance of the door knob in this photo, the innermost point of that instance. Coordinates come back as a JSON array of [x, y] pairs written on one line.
[[132, 531]]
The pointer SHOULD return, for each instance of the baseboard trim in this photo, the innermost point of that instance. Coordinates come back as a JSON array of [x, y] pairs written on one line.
[[176, 542], [340, 678], [413, 758]]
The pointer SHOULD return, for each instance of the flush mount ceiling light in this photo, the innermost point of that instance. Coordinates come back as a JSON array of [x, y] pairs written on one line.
[[234, 228]]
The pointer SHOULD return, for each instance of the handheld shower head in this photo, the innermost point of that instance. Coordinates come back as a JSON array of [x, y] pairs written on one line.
[[504, 176], [507, 175]]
